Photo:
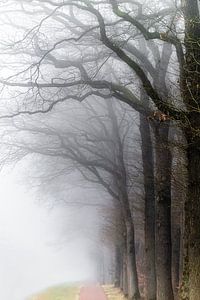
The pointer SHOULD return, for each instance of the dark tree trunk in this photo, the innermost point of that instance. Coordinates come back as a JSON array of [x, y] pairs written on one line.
[[163, 213], [121, 276], [191, 273], [176, 250], [118, 265], [121, 183], [132, 276], [133, 289], [192, 215], [148, 173], [190, 289], [124, 275], [179, 190]]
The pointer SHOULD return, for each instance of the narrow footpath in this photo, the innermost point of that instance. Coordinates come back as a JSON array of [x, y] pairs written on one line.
[[93, 292]]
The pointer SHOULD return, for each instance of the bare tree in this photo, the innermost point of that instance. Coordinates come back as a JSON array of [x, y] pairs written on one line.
[[101, 154], [176, 24]]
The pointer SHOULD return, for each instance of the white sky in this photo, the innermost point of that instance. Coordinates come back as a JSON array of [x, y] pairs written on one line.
[[28, 260]]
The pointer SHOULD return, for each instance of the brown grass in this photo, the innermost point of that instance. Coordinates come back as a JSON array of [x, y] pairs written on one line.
[[113, 293], [57, 293]]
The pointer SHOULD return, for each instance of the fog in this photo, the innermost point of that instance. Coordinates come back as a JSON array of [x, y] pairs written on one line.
[[32, 255]]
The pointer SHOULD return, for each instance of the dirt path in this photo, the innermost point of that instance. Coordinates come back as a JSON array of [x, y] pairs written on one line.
[[93, 292]]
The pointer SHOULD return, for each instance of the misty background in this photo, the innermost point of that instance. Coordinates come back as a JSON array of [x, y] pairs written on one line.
[[32, 254], [54, 214]]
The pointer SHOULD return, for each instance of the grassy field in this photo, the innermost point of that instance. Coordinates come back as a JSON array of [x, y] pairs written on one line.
[[63, 292], [113, 293]]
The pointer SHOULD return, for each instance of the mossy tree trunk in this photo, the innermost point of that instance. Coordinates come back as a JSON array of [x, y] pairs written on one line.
[[190, 289]]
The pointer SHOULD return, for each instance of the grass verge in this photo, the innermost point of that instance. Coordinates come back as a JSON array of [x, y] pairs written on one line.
[[63, 292], [113, 293]]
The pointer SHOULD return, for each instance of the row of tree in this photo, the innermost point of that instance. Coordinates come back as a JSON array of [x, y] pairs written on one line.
[[146, 55]]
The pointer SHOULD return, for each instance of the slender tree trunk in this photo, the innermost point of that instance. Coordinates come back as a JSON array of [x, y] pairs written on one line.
[[122, 274], [121, 183], [132, 276], [125, 278], [163, 213], [118, 265], [133, 289], [148, 173]]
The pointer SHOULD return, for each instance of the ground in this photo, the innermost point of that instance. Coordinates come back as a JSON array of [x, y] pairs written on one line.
[[113, 293], [88, 292], [62, 292]]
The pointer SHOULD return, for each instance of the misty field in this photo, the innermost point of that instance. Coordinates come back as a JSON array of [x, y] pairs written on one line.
[[62, 292]]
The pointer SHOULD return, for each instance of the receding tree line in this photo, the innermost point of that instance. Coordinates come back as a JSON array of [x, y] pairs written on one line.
[[147, 56]]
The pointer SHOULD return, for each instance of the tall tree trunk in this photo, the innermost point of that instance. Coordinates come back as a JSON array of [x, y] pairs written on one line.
[[124, 278], [176, 250], [191, 95], [148, 173], [118, 265], [179, 183], [133, 289], [121, 183], [132, 276], [192, 215], [163, 213], [191, 272]]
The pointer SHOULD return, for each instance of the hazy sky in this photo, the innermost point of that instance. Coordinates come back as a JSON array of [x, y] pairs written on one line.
[[29, 233]]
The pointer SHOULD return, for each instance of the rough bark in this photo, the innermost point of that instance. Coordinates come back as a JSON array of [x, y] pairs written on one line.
[[163, 213], [179, 180], [190, 289], [191, 273], [148, 173], [176, 250]]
